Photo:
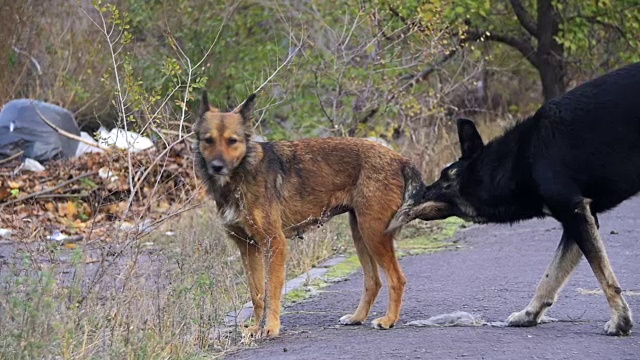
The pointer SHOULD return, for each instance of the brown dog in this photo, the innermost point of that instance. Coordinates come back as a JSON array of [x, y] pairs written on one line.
[[268, 192]]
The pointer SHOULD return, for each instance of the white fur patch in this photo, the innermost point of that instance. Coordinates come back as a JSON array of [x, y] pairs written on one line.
[[221, 180], [230, 214]]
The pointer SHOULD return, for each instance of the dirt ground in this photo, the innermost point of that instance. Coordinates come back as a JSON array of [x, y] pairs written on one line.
[[493, 275]]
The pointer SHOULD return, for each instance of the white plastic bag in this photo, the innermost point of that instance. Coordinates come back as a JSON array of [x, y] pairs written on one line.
[[85, 148], [122, 139]]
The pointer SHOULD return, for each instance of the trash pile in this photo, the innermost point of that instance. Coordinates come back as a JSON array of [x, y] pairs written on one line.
[[54, 188]]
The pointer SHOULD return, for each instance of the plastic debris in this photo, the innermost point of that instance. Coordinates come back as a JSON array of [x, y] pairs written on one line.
[[127, 140], [457, 318], [5, 233], [22, 129], [57, 236], [86, 148], [32, 165]]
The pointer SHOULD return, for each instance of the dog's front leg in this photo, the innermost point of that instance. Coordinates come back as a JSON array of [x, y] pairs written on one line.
[[253, 263], [275, 257], [271, 238], [564, 262], [582, 227]]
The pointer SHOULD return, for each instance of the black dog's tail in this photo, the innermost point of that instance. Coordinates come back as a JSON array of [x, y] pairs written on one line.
[[414, 189]]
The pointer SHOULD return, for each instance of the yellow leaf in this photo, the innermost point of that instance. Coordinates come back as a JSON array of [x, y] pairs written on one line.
[[163, 206], [67, 209], [15, 184]]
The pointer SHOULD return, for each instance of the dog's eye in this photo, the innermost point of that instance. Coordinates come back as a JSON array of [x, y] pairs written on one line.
[[209, 141], [232, 141]]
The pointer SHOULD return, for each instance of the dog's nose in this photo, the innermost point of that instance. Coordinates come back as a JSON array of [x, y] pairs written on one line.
[[217, 166]]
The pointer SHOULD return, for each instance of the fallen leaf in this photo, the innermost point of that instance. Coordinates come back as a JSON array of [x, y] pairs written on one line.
[[170, 183], [15, 184], [67, 210], [162, 206]]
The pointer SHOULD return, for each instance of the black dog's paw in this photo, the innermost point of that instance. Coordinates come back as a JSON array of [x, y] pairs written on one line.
[[524, 318], [619, 326]]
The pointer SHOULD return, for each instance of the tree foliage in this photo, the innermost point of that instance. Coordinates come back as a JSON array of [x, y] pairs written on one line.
[[556, 37], [365, 68], [349, 65]]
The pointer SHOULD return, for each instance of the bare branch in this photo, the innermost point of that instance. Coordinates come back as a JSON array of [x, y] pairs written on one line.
[[422, 75], [365, 119], [398, 34], [595, 20], [66, 133], [33, 60], [48, 190], [524, 18], [324, 111], [286, 62], [16, 155], [522, 44], [140, 181]]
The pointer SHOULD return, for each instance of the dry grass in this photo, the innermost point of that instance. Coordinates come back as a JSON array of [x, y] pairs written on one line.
[[110, 301], [64, 66], [163, 296]]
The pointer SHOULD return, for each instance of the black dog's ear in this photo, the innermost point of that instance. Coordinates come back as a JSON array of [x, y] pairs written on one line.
[[470, 140], [246, 108]]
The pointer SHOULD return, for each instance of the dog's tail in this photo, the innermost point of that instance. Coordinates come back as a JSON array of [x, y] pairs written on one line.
[[414, 189]]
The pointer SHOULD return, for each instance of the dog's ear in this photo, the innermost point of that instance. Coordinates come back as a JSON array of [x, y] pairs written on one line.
[[470, 140], [246, 108], [204, 108], [204, 104]]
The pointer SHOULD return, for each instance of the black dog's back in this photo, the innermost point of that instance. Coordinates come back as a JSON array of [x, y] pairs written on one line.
[[587, 142]]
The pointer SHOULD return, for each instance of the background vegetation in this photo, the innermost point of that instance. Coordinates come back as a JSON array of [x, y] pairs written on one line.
[[398, 70], [395, 70]]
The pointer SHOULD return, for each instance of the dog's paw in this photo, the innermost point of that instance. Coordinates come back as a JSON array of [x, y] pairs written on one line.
[[618, 326], [250, 334], [522, 318], [254, 332], [544, 319], [270, 331], [350, 320], [383, 323]]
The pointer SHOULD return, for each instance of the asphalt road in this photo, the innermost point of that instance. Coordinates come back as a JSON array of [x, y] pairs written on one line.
[[493, 275]]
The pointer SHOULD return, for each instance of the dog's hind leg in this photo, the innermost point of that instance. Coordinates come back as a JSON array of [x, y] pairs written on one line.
[[564, 262], [380, 245], [583, 229], [372, 282], [253, 263]]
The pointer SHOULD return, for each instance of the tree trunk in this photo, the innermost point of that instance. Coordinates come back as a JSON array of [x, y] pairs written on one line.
[[550, 54], [552, 76]]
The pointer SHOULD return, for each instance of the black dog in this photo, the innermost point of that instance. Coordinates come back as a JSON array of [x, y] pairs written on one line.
[[577, 156]]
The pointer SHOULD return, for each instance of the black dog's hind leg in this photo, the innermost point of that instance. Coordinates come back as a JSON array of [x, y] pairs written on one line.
[[564, 262], [581, 226]]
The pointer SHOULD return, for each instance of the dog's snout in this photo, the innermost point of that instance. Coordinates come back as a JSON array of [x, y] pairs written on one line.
[[217, 166]]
